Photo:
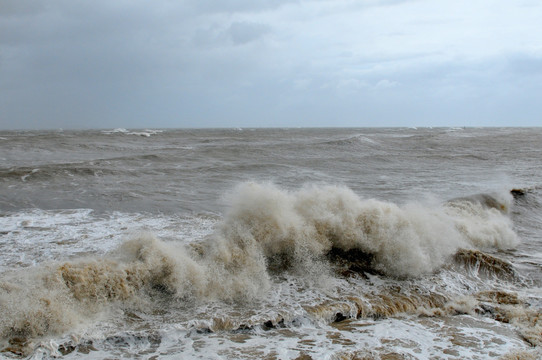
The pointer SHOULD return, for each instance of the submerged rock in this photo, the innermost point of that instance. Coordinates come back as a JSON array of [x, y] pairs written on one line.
[[351, 262], [485, 263]]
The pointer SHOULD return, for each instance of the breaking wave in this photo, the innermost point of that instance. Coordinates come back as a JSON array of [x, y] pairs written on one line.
[[266, 230], [352, 140], [403, 241], [101, 167], [145, 132]]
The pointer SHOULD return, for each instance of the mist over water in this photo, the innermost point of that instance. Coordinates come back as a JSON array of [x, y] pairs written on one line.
[[323, 243]]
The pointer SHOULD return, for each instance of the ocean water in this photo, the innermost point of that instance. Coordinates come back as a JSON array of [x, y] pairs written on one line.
[[385, 243]]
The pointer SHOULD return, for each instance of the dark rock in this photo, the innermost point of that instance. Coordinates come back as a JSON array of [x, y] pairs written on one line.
[[339, 317], [516, 193], [352, 262], [65, 349]]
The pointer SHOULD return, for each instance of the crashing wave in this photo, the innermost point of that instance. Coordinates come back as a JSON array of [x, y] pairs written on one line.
[[266, 230]]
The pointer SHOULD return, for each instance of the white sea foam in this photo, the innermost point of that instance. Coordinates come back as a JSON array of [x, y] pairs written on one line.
[[35, 236], [387, 338]]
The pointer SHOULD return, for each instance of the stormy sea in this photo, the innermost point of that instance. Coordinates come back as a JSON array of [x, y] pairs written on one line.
[[360, 243]]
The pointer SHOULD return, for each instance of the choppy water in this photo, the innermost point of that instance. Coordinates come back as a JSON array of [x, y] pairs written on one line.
[[287, 243]]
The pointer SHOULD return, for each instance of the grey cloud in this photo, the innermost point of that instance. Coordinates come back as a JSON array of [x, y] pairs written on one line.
[[244, 32], [234, 6], [10, 8], [208, 36], [525, 64], [66, 63], [237, 33]]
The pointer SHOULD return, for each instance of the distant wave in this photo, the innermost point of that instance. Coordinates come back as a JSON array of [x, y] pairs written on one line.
[[352, 140], [51, 171], [145, 132], [96, 167]]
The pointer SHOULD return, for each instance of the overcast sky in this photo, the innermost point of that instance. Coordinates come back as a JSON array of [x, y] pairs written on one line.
[[262, 63]]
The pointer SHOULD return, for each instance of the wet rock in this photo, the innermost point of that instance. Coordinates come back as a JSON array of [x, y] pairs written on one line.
[[204, 330], [19, 346], [351, 262], [485, 309], [339, 317], [66, 349], [485, 263], [517, 193], [268, 325], [499, 297], [243, 328]]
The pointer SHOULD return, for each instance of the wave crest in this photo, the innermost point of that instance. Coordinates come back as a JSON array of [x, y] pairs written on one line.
[[408, 240]]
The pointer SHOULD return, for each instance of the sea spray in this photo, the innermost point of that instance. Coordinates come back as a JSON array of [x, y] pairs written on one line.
[[55, 298], [142, 265], [266, 230], [482, 220], [409, 240]]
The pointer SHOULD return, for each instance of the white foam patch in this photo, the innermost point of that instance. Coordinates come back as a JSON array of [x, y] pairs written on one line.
[[462, 337], [36, 236]]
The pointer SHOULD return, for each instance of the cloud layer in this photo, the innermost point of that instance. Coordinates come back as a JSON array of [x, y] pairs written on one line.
[[202, 63]]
